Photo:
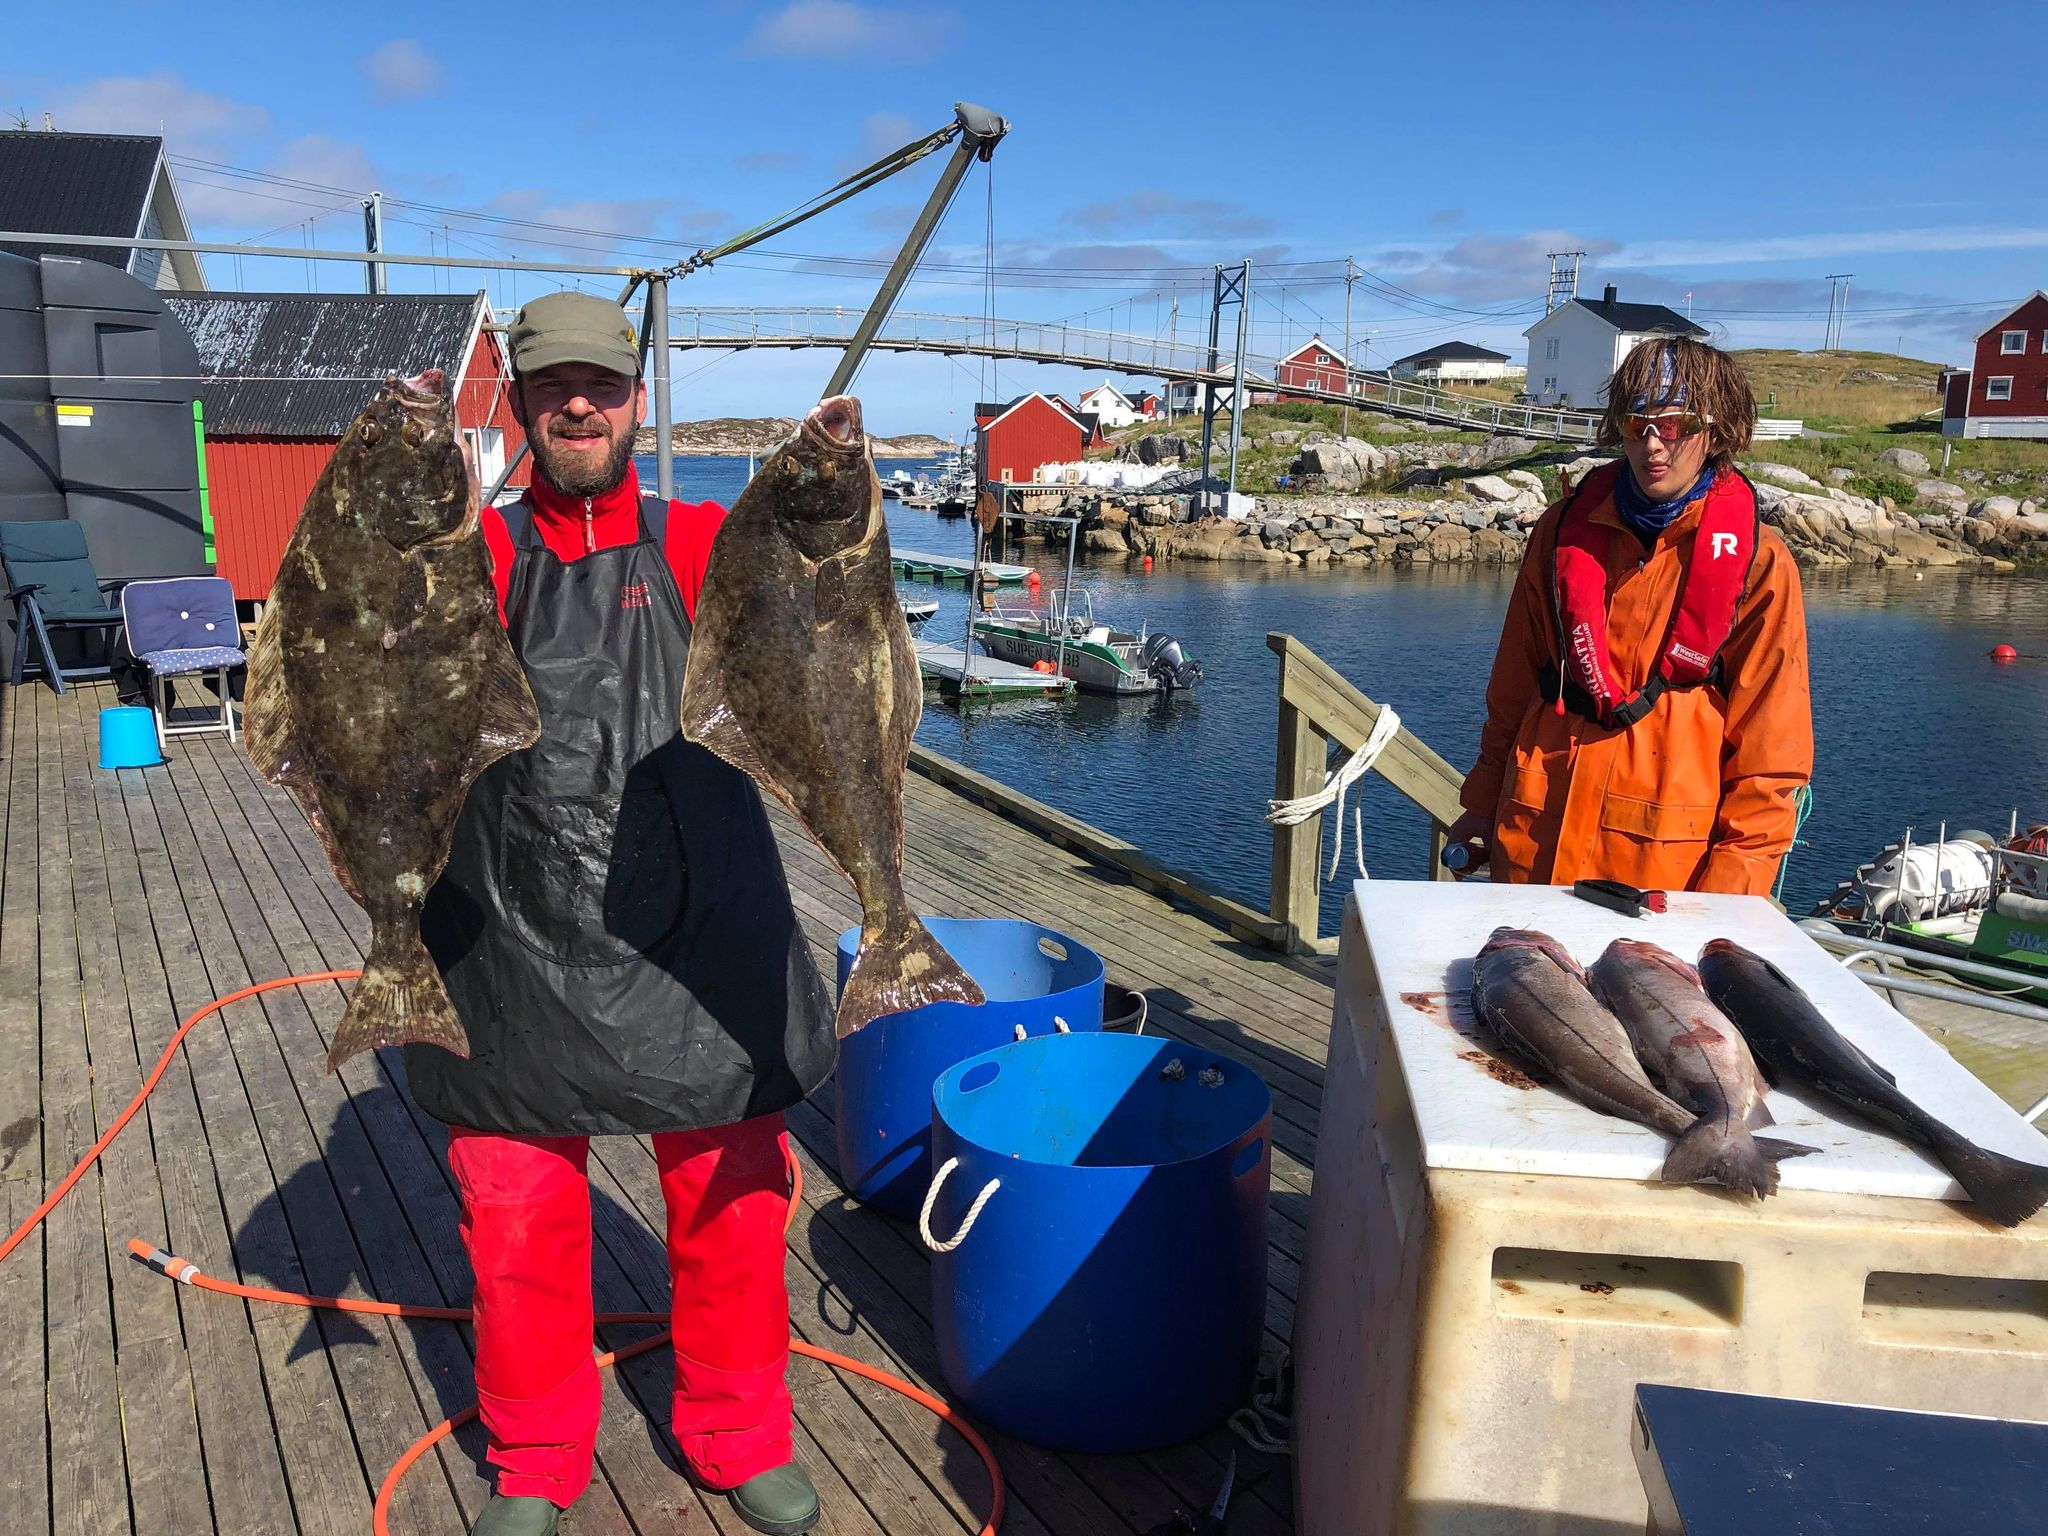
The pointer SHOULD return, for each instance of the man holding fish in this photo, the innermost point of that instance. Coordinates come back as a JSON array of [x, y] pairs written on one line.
[[615, 930]]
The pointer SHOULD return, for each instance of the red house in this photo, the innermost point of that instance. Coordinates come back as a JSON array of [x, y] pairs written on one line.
[[1012, 440], [1147, 402], [287, 373], [2005, 392], [1315, 364]]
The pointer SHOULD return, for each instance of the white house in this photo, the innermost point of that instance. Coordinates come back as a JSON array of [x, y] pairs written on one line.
[[1574, 349], [1112, 405], [1454, 362], [1185, 395]]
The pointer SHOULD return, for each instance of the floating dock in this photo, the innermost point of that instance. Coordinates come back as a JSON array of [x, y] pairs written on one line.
[[973, 676], [916, 565]]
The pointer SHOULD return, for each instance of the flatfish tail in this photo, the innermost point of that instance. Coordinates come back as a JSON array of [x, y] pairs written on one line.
[[2008, 1189], [400, 998], [899, 967]]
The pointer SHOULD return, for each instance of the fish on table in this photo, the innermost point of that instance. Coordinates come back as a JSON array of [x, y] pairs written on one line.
[[1699, 1059], [381, 684], [1529, 990], [803, 675], [1798, 1045]]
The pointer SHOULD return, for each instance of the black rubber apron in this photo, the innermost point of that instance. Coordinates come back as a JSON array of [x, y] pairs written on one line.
[[613, 923]]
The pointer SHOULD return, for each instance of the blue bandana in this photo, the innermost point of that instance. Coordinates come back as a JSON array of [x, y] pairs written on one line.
[[1649, 518]]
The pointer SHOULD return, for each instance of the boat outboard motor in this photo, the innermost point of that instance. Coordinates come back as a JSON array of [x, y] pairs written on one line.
[[1163, 658]]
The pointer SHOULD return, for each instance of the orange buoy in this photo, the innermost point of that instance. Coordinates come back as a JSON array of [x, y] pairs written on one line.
[[1041, 665], [2004, 653], [1148, 562], [1031, 581]]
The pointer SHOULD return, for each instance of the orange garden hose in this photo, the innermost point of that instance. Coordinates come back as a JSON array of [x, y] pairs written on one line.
[[188, 1273]]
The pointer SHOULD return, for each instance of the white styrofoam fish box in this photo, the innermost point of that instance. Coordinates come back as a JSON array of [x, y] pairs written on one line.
[[1471, 1114]]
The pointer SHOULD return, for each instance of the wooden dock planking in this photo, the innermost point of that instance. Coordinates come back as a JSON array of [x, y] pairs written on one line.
[[160, 889]]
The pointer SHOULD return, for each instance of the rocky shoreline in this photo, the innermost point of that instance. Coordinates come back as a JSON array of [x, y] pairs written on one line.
[[1482, 516], [737, 436]]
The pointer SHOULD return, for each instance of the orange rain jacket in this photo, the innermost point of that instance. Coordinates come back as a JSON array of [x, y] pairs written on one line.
[[1698, 794]]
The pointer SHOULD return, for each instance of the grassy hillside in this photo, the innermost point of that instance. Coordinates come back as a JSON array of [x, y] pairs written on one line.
[[1842, 391]]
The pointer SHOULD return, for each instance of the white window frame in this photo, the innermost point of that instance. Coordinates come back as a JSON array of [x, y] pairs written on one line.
[[1550, 349], [1992, 387], [2044, 341], [2012, 343]]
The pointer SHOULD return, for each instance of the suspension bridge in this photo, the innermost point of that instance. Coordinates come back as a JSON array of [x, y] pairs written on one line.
[[1034, 341]]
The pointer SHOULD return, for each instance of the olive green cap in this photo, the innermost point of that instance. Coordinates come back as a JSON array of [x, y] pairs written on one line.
[[572, 327]]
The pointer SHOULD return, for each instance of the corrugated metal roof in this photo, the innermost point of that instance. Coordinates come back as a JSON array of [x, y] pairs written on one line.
[[75, 184], [1651, 319], [1454, 352], [305, 364]]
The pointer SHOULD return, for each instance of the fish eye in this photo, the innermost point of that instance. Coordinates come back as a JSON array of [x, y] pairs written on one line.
[[372, 434]]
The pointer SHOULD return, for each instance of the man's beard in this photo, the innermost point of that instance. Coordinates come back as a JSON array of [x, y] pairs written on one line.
[[577, 473]]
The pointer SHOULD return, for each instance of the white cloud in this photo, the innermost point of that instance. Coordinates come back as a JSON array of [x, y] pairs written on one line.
[[838, 28], [1822, 247], [1149, 208], [192, 121], [403, 70]]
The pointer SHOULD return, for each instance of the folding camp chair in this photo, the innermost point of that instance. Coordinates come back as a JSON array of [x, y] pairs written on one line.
[[184, 626], [51, 582]]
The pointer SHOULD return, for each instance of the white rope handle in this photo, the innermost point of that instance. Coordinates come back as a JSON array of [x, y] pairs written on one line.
[[924, 1217], [1289, 813]]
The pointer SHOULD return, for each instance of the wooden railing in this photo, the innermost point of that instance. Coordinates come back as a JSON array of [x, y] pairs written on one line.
[[1317, 707]]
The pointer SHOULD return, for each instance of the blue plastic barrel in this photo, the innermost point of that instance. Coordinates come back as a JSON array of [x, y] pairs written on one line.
[[1033, 976], [1109, 1295], [128, 738]]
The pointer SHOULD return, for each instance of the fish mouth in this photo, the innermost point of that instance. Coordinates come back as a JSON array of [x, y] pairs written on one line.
[[423, 391], [835, 424]]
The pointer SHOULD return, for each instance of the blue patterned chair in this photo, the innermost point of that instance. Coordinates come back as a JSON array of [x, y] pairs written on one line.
[[184, 626]]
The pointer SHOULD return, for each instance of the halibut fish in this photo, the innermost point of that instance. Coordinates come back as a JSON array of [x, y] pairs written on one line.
[[381, 684], [1799, 1046], [1698, 1058], [802, 675], [1529, 990]]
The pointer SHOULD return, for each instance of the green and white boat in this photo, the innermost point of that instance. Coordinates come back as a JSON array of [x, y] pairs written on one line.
[[1100, 658]]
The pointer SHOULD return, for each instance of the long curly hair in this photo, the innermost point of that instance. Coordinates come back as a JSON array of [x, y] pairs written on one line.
[[1667, 371]]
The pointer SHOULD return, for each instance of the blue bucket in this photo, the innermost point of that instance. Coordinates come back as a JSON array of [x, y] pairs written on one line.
[[128, 738], [1109, 1294], [1033, 978]]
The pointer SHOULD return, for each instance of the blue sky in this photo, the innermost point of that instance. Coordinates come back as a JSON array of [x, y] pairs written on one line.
[[1738, 152]]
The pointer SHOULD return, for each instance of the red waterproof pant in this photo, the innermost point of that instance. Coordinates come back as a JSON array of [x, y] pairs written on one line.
[[526, 1224]]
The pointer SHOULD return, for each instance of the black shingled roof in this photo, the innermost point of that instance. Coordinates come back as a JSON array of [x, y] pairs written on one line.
[[305, 364], [75, 184], [1452, 351], [1648, 319]]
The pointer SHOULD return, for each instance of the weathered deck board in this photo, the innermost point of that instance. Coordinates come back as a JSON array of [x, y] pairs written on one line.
[[127, 901]]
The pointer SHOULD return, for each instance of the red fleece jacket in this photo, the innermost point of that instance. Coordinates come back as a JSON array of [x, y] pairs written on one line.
[[575, 526]]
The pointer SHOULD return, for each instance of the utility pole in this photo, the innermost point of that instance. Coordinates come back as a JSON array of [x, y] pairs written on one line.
[[1564, 279], [1838, 309], [373, 242], [1345, 431], [1688, 305], [1173, 349]]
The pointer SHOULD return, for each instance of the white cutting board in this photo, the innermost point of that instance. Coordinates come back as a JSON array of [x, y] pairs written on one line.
[[1422, 935]]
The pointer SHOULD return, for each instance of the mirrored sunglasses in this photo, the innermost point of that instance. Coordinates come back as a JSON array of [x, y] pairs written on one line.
[[1670, 428]]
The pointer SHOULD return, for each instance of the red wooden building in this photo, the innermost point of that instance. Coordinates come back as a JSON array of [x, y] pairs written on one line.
[[1315, 364], [2004, 393], [287, 373], [1015, 439]]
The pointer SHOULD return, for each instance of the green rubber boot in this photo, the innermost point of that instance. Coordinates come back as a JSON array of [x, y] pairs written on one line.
[[779, 1502], [516, 1517]]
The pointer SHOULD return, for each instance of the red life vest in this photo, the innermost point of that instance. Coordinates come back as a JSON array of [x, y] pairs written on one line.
[[1724, 546]]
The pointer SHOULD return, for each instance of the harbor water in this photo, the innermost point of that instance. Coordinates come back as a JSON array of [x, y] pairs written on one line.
[[1914, 723]]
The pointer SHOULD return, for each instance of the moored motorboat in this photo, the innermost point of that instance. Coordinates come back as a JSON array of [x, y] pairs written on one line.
[[1097, 656]]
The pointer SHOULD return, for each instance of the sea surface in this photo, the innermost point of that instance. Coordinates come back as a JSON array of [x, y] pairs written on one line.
[[1914, 724]]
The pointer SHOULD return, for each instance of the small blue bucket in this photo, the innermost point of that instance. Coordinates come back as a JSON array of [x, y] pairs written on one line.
[[128, 738], [1035, 979], [1099, 1263]]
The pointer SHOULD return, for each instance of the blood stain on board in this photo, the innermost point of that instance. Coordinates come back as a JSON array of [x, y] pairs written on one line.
[[1500, 1071]]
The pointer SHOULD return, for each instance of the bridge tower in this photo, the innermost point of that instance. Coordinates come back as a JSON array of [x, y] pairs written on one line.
[[1233, 286]]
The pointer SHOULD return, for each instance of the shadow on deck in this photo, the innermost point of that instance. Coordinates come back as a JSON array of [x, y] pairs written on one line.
[[129, 900]]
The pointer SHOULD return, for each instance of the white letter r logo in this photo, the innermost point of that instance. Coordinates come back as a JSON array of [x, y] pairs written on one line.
[[1724, 544]]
